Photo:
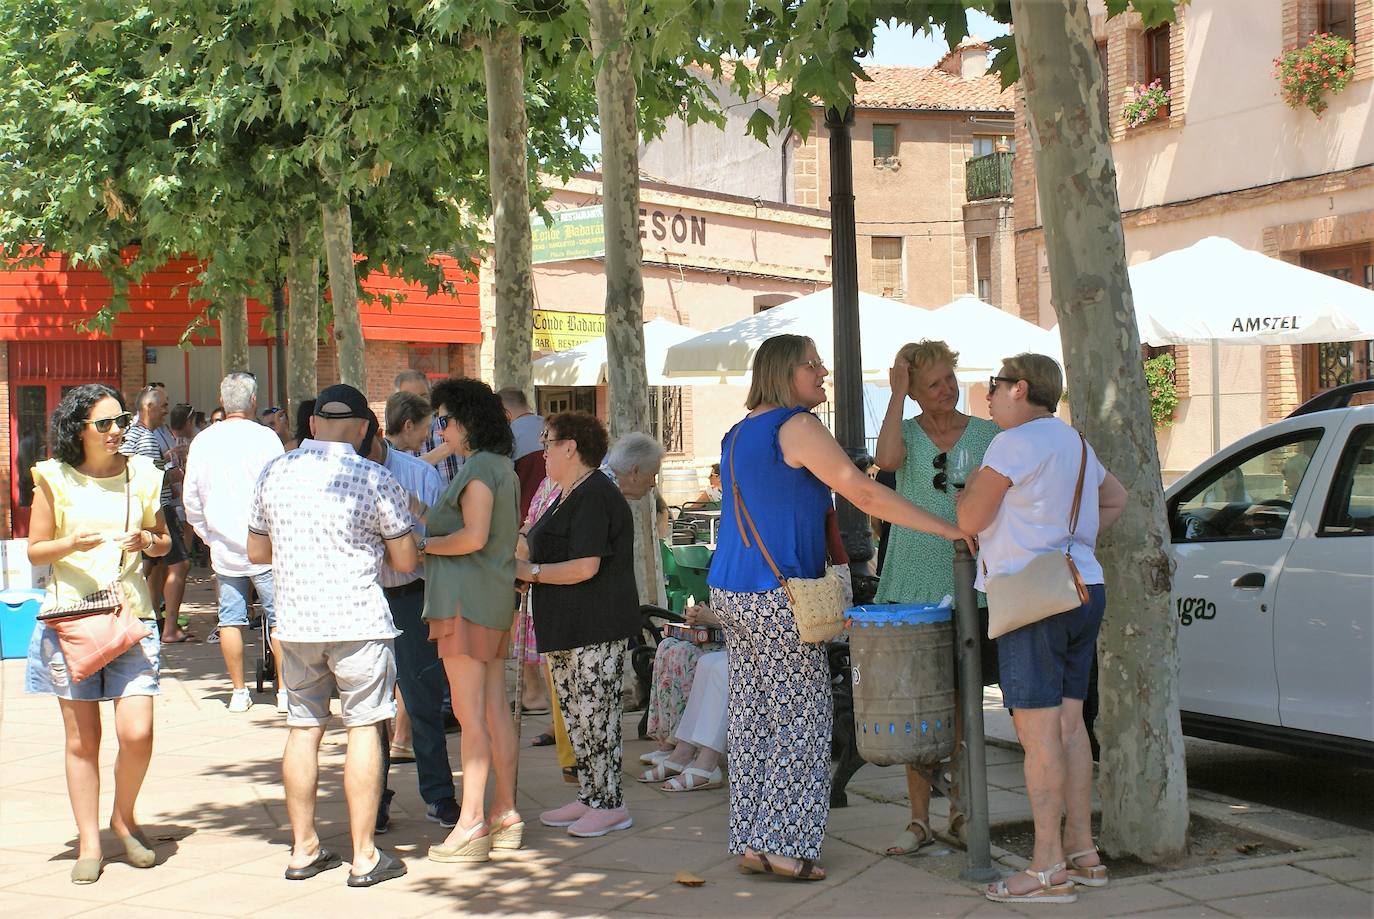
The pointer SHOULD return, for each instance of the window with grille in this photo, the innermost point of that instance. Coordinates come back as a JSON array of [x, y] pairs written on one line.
[[665, 416], [887, 266], [884, 144], [1337, 17]]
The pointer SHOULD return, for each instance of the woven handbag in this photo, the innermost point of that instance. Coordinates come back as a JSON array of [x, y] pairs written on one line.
[[101, 625], [1049, 585], [817, 604]]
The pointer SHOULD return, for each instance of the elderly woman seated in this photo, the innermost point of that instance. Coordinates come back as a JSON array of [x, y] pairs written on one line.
[[687, 711]]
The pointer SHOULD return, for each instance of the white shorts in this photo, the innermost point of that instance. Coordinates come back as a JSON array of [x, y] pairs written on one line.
[[363, 672]]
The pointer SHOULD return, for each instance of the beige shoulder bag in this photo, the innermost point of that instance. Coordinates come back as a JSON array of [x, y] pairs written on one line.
[[1049, 585], [817, 603]]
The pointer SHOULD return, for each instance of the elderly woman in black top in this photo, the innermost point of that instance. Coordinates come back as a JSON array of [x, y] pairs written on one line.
[[586, 607]]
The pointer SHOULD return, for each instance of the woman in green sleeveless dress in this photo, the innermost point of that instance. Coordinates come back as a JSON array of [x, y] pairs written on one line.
[[931, 453]]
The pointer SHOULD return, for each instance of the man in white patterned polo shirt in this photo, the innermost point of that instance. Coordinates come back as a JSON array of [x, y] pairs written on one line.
[[324, 518]]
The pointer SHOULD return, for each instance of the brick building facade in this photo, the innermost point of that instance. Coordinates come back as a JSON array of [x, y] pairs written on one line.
[[42, 353], [1230, 159]]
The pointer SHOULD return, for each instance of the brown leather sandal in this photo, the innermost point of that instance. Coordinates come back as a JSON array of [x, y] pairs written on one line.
[[806, 869]]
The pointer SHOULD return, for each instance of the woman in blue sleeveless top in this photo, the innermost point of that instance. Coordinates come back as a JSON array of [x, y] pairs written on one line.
[[785, 464]]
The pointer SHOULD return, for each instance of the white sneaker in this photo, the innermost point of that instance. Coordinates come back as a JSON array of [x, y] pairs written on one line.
[[281, 701], [240, 701]]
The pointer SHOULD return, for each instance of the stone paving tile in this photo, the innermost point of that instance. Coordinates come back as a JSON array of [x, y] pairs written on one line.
[[118, 881], [224, 894], [1342, 869], [1121, 900], [1238, 883], [1330, 901], [631, 854], [1193, 911], [726, 892], [582, 889], [45, 905]]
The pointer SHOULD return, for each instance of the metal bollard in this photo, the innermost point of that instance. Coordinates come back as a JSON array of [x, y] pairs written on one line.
[[975, 772]]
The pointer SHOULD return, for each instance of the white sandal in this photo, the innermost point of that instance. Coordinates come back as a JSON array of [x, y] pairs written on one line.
[[660, 772], [1047, 892], [1087, 875], [684, 781], [654, 757]]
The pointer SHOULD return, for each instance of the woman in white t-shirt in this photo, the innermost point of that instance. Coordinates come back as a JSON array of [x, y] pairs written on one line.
[[1018, 503]]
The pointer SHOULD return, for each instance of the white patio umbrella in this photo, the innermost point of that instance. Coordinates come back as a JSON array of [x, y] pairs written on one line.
[[585, 365], [726, 354], [984, 336], [1217, 290]]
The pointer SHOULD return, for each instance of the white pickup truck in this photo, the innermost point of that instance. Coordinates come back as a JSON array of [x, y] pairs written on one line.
[[1274, 588]]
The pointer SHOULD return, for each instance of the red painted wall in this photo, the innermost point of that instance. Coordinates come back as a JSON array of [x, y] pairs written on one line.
[[46, 301]]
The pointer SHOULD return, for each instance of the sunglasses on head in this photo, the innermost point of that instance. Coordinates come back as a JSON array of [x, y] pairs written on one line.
[[103, 425]]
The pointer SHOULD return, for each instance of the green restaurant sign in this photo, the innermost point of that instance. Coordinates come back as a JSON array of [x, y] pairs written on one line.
[[575, 233]]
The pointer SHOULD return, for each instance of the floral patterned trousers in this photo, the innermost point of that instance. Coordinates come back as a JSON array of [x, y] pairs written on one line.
[[587, 682], [779, 736]]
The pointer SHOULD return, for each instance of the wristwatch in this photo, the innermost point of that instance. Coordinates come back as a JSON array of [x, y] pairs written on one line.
[[421, 543], [534, 574]]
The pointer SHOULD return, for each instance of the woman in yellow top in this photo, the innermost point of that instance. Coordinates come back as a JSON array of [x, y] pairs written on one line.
[[94, 511]]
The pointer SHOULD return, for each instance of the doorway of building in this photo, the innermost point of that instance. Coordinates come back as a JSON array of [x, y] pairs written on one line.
[[41, 373]]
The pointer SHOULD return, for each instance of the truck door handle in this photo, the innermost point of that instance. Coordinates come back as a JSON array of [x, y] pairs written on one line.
[[1254, 579]]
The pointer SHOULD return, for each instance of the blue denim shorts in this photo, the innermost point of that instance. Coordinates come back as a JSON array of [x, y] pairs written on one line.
[[1046, 662], [233, 598], [133, 673]]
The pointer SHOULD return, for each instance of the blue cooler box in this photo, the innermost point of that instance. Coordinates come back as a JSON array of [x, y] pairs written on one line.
[[18, 616]]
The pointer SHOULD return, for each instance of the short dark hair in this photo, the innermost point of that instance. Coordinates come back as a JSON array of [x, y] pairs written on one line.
[[513, 397], [584, 430], [70, 417], [473, 405], [409, 376], [304, 411]]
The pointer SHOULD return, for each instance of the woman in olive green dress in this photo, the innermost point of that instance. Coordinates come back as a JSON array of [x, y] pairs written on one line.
[[931, 453], [469, 605]]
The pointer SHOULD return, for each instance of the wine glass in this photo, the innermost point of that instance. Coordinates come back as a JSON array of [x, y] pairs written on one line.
[[959, 465]]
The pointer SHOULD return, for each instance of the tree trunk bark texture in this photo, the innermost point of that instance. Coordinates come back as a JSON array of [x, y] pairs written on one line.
[[617, 104], [1143, 784], [507, 131], [337, 223], [303, 317], [233, 335]]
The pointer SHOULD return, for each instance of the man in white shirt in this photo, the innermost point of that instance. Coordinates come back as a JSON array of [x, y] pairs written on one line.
[[222, 469], [328, 517]]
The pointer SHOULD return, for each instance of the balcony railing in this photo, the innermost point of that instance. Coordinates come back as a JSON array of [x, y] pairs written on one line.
[[988, 176]]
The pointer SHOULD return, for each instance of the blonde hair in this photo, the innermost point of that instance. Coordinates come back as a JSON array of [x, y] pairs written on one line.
[[1044, 380], [924, 354], [774, 362]]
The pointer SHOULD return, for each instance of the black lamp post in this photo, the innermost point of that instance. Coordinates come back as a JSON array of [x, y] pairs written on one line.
[[847, 369]]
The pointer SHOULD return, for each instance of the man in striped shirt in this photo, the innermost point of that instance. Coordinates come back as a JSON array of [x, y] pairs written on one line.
[[166, 576]]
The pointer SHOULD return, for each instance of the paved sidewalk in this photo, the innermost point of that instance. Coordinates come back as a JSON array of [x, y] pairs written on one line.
[[213, 801]]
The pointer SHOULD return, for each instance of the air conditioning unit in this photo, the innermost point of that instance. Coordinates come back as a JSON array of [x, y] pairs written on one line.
[[887, 162]]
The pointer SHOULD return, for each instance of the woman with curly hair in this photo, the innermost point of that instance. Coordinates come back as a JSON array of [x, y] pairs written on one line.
[[94, 511], [469, 572], [586, 607]]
